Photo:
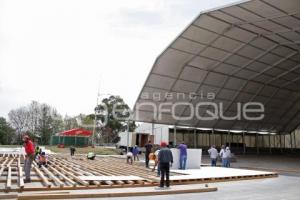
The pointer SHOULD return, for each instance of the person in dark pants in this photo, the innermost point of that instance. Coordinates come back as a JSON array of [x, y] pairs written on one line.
[[165, 158], [148, 148], [72, 150]]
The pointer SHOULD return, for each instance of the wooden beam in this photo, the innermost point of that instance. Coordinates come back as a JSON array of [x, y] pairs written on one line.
[[3, 166], [55, 171], [20, 170], [114, 194], [63, 169], [53, 177], [8, 183], [41, 175]]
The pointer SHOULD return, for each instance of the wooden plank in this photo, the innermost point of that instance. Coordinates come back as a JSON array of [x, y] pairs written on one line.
[[63, 176], [20, 170], [114, 194], [108, 182], [41, 175], [8, 183], [76, 178], [111, 178], [53, 177], [10, 162]]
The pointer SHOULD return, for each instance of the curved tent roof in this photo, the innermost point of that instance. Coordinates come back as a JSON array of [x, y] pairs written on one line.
[[246, 52]]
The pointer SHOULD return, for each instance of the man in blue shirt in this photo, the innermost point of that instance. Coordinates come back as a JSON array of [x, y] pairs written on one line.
[[183, 155]]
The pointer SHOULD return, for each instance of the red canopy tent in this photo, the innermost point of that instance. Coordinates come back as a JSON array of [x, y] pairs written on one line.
[[76, 132]]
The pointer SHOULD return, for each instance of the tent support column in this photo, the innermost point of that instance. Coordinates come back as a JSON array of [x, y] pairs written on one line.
[[227, 139], [244, 144], [284, 142], [280, 143], [295, 141], [221, 134], [213, 135], [291, 141], [270, 149], [256, 143], [175, 136], [209, 140], [195, 141]]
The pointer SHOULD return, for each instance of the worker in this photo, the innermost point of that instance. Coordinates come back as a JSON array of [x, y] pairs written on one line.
[[156, 162], [227, 156], [38, 151], [72, 150], [91, 156], [42, 159], [29, 150], [222, 154], [135, 152], [129, 157], [213, 153], [183, 155], [148, 148], [165, 159]]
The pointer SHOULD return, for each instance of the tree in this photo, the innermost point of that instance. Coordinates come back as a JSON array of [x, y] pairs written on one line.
[[113, 115], [70, 122], [7, 133], [40, 120], [19, 120]]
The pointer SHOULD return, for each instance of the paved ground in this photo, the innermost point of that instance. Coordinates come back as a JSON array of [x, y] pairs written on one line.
[[281, 188], [285, 187], [284, 163]]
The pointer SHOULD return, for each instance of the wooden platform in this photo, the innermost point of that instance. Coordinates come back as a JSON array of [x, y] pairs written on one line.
[[78, 173], [104, 193]]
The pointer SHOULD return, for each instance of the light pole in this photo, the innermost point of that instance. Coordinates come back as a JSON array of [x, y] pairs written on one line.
[[95, 118]]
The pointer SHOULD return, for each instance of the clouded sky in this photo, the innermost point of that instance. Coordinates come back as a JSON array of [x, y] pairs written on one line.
[[57, 51]]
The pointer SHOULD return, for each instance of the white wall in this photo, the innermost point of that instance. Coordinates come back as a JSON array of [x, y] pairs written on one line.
[[123, 139], [194, 157], [161, 132]]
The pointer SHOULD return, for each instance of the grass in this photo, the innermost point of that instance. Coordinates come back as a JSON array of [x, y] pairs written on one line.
[[79, 150], [85, 150], [10, 146]]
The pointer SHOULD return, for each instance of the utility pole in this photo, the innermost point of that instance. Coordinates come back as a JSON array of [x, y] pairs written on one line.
[[95, 120], [127, 130]]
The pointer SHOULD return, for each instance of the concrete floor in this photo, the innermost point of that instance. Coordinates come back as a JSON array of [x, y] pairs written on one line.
[[281, 163], [281, 188], [285, 187]]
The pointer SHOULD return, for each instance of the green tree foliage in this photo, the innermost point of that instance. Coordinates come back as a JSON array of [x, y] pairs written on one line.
[[7, 133], [70, 122], [112, 116], [40, 120]]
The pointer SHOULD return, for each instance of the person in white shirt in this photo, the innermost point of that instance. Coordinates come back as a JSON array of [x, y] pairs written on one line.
[[213, 153], [226, 157], [156, 162], [129, 156], [222, 151]]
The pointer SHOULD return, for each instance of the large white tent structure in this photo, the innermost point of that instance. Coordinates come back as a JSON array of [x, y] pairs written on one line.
[[244, 52]]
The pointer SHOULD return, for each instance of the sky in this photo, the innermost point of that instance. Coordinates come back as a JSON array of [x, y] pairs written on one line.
[[61, 52]]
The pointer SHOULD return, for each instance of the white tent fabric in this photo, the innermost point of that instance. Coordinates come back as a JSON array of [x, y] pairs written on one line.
[[246, 52]]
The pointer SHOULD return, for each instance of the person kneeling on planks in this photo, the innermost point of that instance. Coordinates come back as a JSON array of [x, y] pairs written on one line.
[[42, 160], [129, 157], [29, 150], [91, 156]]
